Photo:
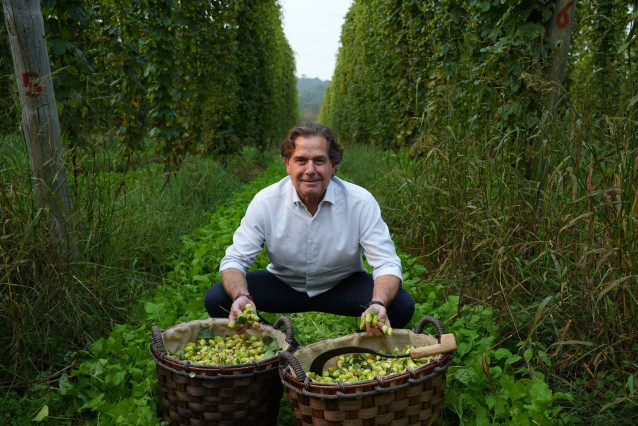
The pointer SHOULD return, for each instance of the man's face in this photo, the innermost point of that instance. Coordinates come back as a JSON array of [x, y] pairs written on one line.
[[310, 169]]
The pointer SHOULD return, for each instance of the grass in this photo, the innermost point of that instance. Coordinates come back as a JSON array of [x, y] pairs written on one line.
[[554, 260], [130, 225], [546, 296], [113, 381]]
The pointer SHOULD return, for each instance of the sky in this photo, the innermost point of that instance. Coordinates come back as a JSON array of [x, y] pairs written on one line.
[[313, 28]]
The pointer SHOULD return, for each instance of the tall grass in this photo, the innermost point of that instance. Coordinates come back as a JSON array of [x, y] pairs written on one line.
[[130, 219], [555, 257]]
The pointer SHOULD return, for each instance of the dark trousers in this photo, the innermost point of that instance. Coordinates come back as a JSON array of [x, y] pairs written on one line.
[[349, 298]]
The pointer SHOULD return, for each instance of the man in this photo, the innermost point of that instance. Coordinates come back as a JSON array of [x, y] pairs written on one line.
[[315, 227]]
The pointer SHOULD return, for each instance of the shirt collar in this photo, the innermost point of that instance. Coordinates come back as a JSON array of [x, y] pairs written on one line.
[[328, 197]]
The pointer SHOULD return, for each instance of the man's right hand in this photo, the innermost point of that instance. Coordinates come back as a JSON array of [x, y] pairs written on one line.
[[237, 308], [382, 319], [234, 282]]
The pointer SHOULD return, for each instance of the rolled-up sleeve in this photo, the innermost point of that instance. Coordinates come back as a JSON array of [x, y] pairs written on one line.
[[377, 243]]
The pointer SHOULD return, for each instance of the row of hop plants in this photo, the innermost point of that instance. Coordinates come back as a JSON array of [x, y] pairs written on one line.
[[140, 86], [176, 77], [535, 219]]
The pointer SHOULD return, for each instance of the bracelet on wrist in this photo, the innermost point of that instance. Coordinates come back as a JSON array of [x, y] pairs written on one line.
[[376, 302], [240, 294]]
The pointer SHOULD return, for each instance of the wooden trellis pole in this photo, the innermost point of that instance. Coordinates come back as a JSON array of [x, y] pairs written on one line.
[[559, 32], [40, 121]]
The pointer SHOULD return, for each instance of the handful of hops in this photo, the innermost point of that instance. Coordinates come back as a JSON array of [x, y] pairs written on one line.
[[372, 319], [355, 368], [248, 316], [228, 350]]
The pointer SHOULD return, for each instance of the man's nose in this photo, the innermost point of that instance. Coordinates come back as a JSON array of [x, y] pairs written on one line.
[[310, 168]]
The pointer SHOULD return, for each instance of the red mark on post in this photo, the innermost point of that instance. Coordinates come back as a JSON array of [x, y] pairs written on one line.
[[562, 19], [33, 88]]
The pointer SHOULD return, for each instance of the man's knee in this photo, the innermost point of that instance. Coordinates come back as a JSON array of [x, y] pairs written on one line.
[[216, 301], [401, 310]]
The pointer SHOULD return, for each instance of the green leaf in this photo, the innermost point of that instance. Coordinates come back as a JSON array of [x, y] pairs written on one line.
[[205, 333], [66, 388], [632, 101], [501, 353], [563, 396], [544, 357], [154, 310], [540, 391], [463, 348], [268, 340], [114, 378], [528, 354], [512, 359], [43, 414], [515, 389], [92, 404]]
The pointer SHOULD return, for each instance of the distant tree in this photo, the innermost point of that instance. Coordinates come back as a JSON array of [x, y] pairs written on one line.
[[311, 93]]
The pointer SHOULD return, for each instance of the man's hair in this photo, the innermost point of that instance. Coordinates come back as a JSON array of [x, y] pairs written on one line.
[[335, 151]]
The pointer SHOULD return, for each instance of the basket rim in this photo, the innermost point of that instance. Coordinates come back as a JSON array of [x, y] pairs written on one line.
[[187, 367], [163, 359], [389, 379]]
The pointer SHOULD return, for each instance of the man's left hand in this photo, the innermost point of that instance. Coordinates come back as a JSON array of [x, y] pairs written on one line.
[[382, 319]]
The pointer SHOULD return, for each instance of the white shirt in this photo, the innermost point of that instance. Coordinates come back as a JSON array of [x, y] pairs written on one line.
[[313, 253]]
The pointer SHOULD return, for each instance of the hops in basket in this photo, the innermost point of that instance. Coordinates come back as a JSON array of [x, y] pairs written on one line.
[[227, 350], [354, 368]]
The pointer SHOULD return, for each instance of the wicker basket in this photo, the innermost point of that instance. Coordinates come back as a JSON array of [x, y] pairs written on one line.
[[414, 397], [192, 394]]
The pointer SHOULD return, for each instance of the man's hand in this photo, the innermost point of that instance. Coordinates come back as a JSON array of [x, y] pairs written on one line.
[[237, 308], [375, 329], [384, 292], [234, 282]]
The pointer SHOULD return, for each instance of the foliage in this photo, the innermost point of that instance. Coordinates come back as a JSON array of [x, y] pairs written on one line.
[[116, 379], [115, 383], [178, 77], [266, 111], [52, 307], [535, 275], [550, 249], [395, 67], [553, 286], [139, 85], [8, 112]]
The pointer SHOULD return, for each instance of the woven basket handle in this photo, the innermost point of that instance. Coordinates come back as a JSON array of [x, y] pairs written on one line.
[[290, 332], [290, 359], [158, 342], [431, 320]]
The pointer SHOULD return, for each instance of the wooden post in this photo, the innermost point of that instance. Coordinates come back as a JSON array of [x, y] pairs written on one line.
[[559, 31], [40, 121]]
